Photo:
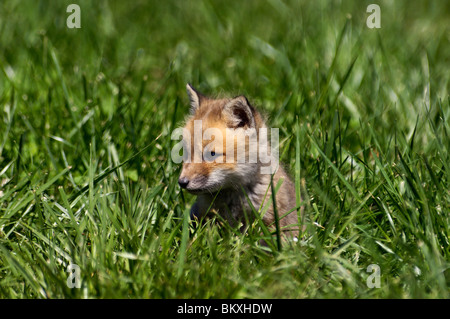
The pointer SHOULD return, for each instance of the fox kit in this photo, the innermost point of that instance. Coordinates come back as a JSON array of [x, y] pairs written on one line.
[[226, 180]]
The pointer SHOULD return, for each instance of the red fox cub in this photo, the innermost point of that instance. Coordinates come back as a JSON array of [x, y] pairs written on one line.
[[228, 161]]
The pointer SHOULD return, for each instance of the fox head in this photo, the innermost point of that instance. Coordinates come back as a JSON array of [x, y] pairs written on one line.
[[220, 143]]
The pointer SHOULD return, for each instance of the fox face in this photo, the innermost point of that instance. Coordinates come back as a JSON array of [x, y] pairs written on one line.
[[220, 141], [229, 163]]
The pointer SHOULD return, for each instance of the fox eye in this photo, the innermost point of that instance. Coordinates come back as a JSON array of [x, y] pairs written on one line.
[[210, 156]]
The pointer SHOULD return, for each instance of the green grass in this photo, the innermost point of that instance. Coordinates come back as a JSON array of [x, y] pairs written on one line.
[[85, 170]]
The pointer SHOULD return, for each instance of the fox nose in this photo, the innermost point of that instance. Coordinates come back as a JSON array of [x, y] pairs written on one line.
[[183, 182]]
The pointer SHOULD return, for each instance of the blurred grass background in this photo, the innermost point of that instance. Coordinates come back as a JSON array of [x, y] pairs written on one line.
[[85, 169]]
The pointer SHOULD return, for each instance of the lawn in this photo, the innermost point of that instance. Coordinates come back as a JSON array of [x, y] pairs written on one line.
[[86, 176]]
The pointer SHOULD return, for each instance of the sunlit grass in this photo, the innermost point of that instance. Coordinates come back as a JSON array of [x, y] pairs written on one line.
[[85, 169]]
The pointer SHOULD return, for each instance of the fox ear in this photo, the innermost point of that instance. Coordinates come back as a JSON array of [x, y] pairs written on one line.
[[240, 112], [195, 97]]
